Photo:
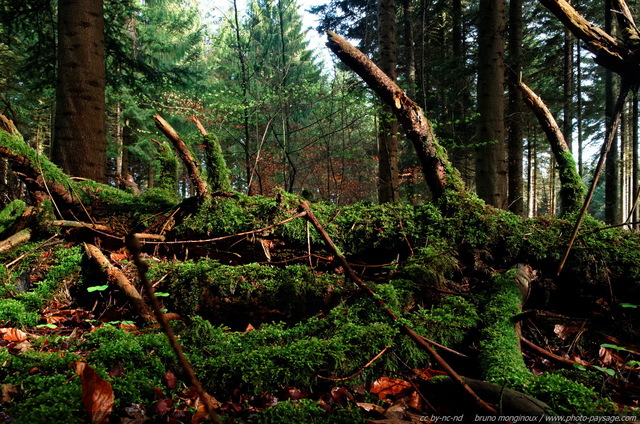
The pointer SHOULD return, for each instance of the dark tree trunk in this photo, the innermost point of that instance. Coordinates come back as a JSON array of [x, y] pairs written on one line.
[[388, 135], [79, 142], [516, 150], [612, 209], [491, 167]]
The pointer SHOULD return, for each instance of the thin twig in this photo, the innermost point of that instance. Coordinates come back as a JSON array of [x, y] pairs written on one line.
[[298, 215], [360, 371], [133, 245]]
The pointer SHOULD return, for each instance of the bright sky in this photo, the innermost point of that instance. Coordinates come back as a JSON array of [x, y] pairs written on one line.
[[216, 8]]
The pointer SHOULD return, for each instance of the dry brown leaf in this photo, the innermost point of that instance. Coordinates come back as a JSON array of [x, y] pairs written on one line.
[[386, 386], [8, 392], [117, 257], [249, 328], [606, 356], [370, 407], [97, 394], [14, 335], [171, 380], [201, 414], [565, 331]]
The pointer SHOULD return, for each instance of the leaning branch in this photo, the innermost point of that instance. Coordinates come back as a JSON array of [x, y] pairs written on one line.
[[572, 189], [438, 172], [417, 338], [608, 51], [193, 168]]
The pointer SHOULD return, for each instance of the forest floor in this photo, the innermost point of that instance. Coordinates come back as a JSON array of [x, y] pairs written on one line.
[[278, 333]]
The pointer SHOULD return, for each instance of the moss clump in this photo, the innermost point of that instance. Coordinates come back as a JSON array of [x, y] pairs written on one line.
[[274, 356], [48, 393], [448, 323], [308, 411], [166, 167], [15, 313], [23, 308], [217, 171], [10, 214], [144, 358], [567, 397]]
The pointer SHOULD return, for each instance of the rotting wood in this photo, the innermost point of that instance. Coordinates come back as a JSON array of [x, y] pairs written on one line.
[[437, 170], [572, 189], [417, 338], [191, 164], [114, 275]]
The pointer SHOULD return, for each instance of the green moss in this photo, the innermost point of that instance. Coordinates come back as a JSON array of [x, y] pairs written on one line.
[[144, 358], [228, 293], [567, 397], [24, 306], [10, 214], [448, 323], [166, 166], [572, 189], [14, 313], [308, 411], [49, 393], [499, 349], [217, 171]]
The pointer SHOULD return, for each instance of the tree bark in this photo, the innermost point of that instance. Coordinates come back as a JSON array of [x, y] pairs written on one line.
[[388, 133], [612, 198], [491, 166], [193, 168], [608, 51], [79, 141], [571, 188], [515, 146], [438, 172]]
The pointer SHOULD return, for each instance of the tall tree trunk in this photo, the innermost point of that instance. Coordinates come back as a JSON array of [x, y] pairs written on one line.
[[567, 104], [244, 83], [612, 209], [516, 150], [409, 49], [79, 144], [579, 114], [388, 139], [634, 160], [491, 167]]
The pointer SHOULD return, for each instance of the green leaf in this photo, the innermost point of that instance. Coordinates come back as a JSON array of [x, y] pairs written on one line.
[[52, 326], [633, 363], [97, 288], [612, 346], [605, 370], [162, 294], [628, 305], [580, 367]]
